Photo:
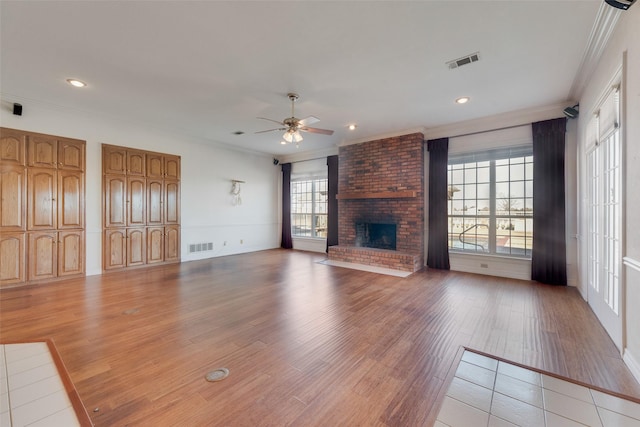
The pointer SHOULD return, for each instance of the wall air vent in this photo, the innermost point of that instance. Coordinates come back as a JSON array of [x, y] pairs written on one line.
[[200, 247], [468, 59]]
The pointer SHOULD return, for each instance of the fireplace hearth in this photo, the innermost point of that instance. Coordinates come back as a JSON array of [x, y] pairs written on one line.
[[374, 235]]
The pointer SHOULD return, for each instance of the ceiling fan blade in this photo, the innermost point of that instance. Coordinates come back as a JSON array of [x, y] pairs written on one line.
[[271, 120], [308, 121], [270, 130], [316, 130]]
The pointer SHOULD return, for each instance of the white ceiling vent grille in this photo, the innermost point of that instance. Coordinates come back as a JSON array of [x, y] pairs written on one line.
[[468, 59]]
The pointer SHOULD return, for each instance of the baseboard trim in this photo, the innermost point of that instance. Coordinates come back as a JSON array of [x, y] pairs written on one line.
[[632, 364]]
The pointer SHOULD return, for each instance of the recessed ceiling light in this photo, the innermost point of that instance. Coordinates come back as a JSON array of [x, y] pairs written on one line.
[[352, 127], [462, 100], [76, 83]]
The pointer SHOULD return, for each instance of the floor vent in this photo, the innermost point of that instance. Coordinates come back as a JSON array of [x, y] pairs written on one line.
[[200, 247], [474, 57]]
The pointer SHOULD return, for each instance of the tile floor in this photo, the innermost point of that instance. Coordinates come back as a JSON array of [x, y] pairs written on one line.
[[492, 393], [31, 391]]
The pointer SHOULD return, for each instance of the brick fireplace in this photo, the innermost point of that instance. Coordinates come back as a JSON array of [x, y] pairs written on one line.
[[382, 182]]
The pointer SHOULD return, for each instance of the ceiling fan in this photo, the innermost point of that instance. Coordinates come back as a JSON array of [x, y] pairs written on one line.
[[293, 126]]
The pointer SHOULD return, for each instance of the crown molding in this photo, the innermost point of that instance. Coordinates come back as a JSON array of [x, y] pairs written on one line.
[[421, 130], [603, 27]]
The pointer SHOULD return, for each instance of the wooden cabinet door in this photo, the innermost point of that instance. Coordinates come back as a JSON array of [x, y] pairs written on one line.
[[172, 243], [41, 199], [115, 201], [136, 246], [154, 202], [135, 163], [114, 160], [172, 167], [12, 258], [70, 199], [71, 154], [155, 165], [13, 144], [171, 202], [70, 253], [114, 249], [43, 255], [136, 201], [42, 151], [155, 245], [13, 197]]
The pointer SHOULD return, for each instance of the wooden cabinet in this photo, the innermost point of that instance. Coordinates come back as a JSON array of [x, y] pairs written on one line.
[[141, 193], [172, 244], [12, 258], [155, 245], [70, 199], [42, 211], [172, 202], [114, 251], [13, 145], [13, 193], [172, 167], [136, 246], [42, 191], [70, 253], [155, 191]]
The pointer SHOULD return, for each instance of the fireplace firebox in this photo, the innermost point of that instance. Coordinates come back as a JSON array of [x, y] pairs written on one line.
[[375, 235]]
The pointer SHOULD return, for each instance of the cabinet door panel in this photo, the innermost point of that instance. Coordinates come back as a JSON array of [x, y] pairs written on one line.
[[43, 255], [71, 154], [172, 244], [155, 165], [70, 253], [136, 201], [42, 151], [172, 167], [154, 202], [12, 147], [135, 163], [115, 249], [114, 160], [155, 245], [13, 196], [136, 246], [70, 199], [115, 201], [12, 257], [41, 194], [171, 202]]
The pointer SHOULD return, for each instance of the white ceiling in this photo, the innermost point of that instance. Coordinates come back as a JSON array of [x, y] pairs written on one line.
[[210, 68]]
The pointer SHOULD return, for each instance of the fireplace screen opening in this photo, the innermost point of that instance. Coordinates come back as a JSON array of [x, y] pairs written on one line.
[[373, 235]]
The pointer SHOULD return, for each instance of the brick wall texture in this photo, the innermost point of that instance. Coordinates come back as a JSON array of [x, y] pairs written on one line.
[[385, 165]]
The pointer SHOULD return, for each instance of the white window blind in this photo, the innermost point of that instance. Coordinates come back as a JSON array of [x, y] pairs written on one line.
[[592, 132]]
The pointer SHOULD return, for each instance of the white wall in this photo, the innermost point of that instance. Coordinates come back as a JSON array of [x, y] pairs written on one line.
[[207, 214], [625, 41]]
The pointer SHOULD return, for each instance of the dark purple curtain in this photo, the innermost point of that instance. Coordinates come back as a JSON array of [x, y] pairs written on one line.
[[438, 255], [332, 203], [286, 242], [549, 255]]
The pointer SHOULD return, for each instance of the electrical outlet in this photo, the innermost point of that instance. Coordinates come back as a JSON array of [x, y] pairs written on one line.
[[241, 241], [484, 265], [225, 243]]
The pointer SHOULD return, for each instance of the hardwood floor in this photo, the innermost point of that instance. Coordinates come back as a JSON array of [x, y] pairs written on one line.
[[306, 344]]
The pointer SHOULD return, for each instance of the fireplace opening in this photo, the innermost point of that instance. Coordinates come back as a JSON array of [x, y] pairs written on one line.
[[374, 235]]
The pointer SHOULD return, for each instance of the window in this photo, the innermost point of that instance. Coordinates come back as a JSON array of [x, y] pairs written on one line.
[[309, 207], [491, 202]]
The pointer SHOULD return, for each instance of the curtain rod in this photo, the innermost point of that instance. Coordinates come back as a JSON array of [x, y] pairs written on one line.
[[488, 130]]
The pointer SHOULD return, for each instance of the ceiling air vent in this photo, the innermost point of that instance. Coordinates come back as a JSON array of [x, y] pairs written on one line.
[[474, 57]]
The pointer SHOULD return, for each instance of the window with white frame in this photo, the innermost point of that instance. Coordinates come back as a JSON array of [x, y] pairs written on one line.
[[309, 208], [490, 201], [604, 201]]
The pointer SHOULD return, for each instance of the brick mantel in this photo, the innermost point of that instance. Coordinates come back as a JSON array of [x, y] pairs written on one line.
[[382, 181]]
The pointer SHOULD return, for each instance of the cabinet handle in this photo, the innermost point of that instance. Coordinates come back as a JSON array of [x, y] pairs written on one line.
[[53, 200]]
